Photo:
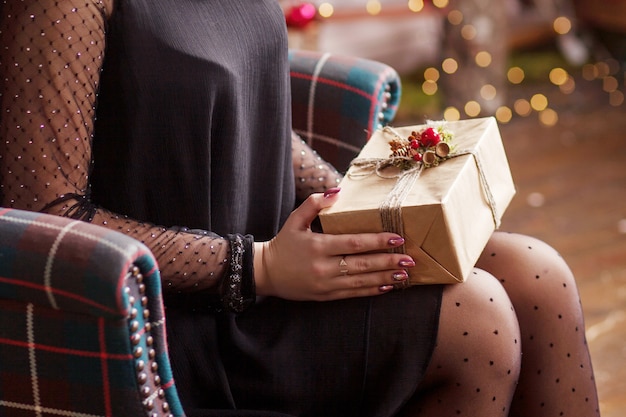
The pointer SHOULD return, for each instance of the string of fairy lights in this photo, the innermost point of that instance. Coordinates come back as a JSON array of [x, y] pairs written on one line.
[[608, 72]]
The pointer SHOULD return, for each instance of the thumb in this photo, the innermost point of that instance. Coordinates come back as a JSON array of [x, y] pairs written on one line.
[[303, 216]]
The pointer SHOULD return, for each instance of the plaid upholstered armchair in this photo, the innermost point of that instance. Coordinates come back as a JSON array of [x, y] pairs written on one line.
[[81, 315]]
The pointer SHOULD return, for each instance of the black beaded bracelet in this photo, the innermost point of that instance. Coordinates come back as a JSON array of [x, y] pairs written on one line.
[[237, 290]]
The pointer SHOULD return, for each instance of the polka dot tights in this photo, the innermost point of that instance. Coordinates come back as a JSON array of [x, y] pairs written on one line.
[[511, 340]]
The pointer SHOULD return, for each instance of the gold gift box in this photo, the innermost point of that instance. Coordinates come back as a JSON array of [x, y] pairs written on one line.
[[449, 211]]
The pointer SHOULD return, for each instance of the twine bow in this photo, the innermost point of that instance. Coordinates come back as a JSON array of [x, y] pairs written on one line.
[[391, 207]]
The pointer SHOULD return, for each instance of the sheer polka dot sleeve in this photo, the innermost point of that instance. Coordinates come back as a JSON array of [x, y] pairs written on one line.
[[312, 173], [50, 62]]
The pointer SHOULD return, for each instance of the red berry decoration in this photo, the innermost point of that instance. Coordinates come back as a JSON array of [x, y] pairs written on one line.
[[430, 137], [301, 15]]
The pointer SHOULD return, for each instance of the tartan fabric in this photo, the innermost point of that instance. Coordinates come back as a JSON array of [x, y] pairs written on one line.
[[339, 101], [82, 329]]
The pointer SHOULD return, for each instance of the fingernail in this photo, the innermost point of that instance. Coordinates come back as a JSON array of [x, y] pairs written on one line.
[[385, 288], [331, 192], [396, 241], [407, 263], [400, 276]]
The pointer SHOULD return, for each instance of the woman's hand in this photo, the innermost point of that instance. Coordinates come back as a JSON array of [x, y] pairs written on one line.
[[299, 264]]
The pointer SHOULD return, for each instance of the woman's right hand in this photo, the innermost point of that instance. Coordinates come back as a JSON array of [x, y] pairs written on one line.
[[299, 264]]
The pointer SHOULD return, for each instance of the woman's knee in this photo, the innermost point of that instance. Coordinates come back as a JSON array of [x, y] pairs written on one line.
[[513, 254], [479, 335], [533, 273]]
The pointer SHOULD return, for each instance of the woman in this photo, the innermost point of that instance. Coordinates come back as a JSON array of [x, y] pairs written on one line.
[[137, 113]]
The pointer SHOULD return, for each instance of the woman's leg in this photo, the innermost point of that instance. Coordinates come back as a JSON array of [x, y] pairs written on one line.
[[556, 377], [476, 362]]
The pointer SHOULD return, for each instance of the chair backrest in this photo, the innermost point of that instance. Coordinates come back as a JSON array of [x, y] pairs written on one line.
[[339, 101], [82, 329]]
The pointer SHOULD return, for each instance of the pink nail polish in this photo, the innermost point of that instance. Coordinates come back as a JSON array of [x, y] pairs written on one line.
[[385, 288], [407, 263], [396, 241], [400, 276], [331, 192]]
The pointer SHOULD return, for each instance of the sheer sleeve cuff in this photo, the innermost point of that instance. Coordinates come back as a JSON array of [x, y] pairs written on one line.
[[237, 291]]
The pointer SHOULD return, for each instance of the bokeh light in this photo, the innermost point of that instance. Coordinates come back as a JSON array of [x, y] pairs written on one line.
[[488, 92], [608, 72], [416, 5], [548, 117], [431, 74], [504, 114], [455, 17], [483, 59], [562, 25], [468, 32], [326, 10], [373, 7], [472, 108], [429, 87], [558, 76], [522, 107], [515, 75], [616, 98], [589, 72], [538, 102], [449, 65], [451, 113], [610, 84], [568, 86]]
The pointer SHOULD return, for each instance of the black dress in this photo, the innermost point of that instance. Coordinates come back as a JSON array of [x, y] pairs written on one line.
[[208, 125]]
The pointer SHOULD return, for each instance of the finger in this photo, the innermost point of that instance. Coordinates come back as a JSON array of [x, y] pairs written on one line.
[[303, 216], [354, 291], [348, 244], [377, 262]]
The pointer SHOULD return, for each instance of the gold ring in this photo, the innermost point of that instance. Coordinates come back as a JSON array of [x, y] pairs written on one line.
[[343, 266]]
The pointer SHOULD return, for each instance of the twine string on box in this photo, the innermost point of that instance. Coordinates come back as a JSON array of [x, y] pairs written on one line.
[[390, 208]]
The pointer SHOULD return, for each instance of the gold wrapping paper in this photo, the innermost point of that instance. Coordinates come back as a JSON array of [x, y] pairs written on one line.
[[447, 214]]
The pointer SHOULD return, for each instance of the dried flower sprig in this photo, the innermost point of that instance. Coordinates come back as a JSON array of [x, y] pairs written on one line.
[[429, 147]]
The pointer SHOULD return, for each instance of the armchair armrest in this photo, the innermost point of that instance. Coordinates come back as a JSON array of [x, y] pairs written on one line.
[[339, 101], [83, 328]]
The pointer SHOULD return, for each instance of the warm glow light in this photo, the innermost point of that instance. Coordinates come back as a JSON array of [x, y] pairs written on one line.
[[455, 17], [488, 92], [522, 107], [504, 114], [483, 59], [468, 32], [373, 7], [431, 74], [568, 86], [590, 72], [429, 87], [548, 117], [472, 108], [603, 69], [326, 10], [614, 65], [416, 5], [616, 98], [449, 65], [558, 76], [562, 25], [515, 75], [451, 113], [610, 84], [539, 102], [440, 3]]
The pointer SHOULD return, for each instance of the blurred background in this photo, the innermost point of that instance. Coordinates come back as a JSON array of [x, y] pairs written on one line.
[[553, 73]]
